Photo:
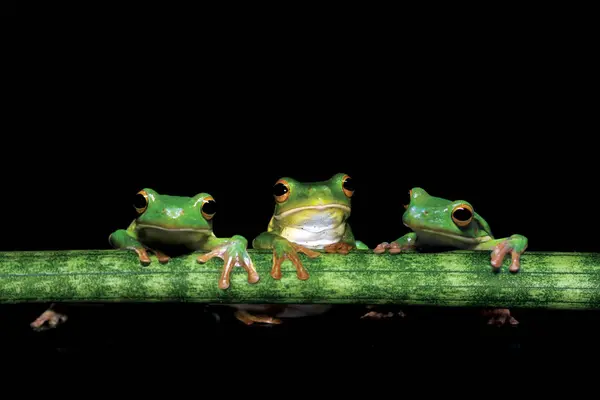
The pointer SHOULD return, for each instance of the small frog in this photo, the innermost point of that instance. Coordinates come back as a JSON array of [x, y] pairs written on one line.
[[440, 222], [178, 222], [309, 218]]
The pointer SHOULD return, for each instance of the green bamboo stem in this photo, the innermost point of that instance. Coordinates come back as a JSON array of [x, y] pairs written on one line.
[[456, 278]]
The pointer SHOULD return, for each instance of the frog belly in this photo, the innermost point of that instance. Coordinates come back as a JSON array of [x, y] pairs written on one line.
[[316, 238], [186, 237]]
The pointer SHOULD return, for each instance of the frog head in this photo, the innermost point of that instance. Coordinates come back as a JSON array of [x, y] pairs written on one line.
[[174, 219], [454, 221], [313, 206]]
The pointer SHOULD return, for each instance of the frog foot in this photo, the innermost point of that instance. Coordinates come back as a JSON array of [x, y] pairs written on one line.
[[516, 245], [249, 319], [145, 259], [49, 319], [392, 248], [289, 250], [340, 247], [500, 317], [233, 254]]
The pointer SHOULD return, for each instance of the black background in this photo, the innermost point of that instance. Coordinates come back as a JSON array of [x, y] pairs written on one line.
[[500, 119]]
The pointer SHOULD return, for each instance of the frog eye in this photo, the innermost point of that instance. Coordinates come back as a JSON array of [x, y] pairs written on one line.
[[140, 201], [347, 186], [209, 208], [462, 215], [281, 191]]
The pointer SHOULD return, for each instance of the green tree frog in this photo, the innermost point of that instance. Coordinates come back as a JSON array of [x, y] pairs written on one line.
[[176, 222], [439, 222], [309, 218]]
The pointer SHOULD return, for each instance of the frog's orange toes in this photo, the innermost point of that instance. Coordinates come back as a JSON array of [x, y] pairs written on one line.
[[340, 247], [301, 272], [253, 276], [276, 269], [499, 253], [331, 248], [162, 257], [248, 265], [142, 255], [381, 248], [226, 273], [395, 248], [310, 253], [292, 255], [515, 265], [229, 263]]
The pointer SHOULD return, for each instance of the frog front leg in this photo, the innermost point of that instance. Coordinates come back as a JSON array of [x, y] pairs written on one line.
[[515, 245], [233, 252], [346, 244], [406, 242], [283, 249], [125, 239]]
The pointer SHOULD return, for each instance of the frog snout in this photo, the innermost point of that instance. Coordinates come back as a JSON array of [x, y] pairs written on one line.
[[173, 212]]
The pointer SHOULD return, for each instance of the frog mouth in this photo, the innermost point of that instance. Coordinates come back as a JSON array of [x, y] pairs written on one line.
[[167, 229], [322, 207], [460, 238]]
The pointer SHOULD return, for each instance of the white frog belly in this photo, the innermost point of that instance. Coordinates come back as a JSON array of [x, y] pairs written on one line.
[[316, 237]]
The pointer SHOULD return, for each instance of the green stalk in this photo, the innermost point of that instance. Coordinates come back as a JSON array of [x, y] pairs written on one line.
[[455, 278]]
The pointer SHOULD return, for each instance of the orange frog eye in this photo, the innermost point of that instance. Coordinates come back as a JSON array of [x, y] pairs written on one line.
[[140, 201], [208, 208], [462, 215], [347, 186], [281, 190]]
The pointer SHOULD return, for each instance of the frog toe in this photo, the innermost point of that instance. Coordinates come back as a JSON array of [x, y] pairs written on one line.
[[339, 248], [142, 255], [162, 257], [395, 248], [515, 265], [381, 248], [253, 277]]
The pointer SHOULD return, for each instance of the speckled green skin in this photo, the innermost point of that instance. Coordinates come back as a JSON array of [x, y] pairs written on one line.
[[455, 278]]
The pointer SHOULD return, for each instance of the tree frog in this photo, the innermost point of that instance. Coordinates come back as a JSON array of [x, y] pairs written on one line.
[[309, 218], [439, 222], [165, 221]]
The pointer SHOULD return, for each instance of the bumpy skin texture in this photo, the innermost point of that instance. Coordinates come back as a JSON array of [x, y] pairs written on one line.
[[309, 218], [455, 278], [165, 220], [440, 222]]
